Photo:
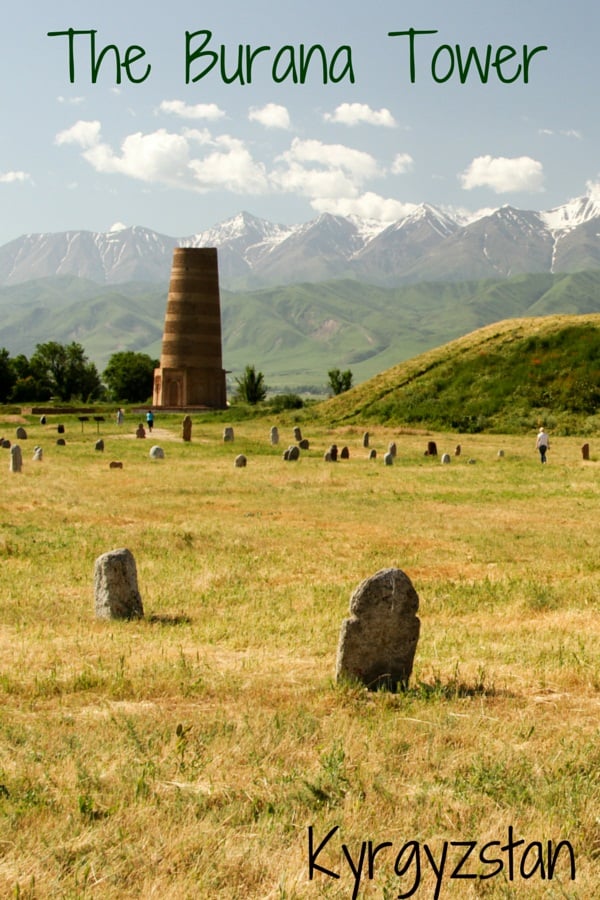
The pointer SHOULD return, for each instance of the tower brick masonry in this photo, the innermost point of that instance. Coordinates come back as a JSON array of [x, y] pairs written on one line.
[[191, 370]]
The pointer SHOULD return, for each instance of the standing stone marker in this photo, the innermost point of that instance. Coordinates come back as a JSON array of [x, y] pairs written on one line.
[[157, 452], [585, 451], [16, 458], [365, 439], [431, 448], [445, 458], [388, 459], [292, 453], [373, 453], [228, 434], [116, 586], [240, 461], [297, 433], [38, 454], [377, 643], [274, 436], [187, 429], [99, 445], [393, 449], [21, 434], [345, 453]]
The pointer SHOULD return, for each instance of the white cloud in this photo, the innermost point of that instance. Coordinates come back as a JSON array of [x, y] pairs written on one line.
[[592, 190], [464, 216], [358, 113], [230, 166], [323, 171], [86, 134], [162, 157], [156, 157], [566, 132], [71, 101], [15, 177], [504, 175], [332, 177], [366, 206], [208, 111], [359, 164], [271, 116], [201, 137], [315, 183], [403, 163]]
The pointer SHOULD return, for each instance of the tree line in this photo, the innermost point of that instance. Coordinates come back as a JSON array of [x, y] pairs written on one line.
[[64, 372]]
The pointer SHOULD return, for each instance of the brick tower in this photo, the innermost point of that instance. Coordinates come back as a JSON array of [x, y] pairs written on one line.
[[191, 368]]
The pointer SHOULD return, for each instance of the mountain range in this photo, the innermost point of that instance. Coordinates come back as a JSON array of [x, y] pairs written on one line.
[[429, 244], [297, 301]]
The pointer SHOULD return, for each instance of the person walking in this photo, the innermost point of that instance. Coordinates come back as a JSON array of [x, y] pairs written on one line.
[[150, 420], [542, 444]]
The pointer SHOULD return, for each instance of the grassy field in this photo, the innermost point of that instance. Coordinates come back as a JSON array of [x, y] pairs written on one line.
[[206, 751]]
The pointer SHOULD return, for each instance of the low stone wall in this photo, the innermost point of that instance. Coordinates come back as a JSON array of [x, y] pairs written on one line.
[[59, 411]]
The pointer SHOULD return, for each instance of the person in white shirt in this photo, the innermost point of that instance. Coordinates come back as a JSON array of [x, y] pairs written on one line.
[[542, 444]]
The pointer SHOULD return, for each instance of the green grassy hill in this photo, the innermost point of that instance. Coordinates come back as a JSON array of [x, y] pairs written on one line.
[[506, 377], [294, 334]]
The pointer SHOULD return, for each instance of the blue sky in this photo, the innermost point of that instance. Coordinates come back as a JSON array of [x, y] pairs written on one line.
[[179, 157]]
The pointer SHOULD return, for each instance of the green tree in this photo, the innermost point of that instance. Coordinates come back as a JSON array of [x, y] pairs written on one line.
[[8, 376], [130, 376], [65, 371], [251, 386], [27, 389], [339, 381]]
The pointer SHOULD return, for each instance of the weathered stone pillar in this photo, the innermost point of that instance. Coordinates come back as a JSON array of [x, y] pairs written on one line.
[[16, 458], [116, 586], [378, 642]]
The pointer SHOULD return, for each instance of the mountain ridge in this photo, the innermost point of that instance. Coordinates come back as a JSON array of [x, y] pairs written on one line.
[[427, 244]]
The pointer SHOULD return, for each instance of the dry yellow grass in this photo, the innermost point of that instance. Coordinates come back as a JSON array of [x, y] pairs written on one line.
[[187, 754]]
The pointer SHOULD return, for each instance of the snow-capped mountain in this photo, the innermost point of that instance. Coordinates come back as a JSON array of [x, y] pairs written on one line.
[[427, 244]]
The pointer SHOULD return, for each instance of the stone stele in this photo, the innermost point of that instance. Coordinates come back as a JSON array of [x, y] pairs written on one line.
[[378, 642], [116, 586]]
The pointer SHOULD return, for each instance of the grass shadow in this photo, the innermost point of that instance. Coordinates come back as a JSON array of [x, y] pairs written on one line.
[[157, 619]]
